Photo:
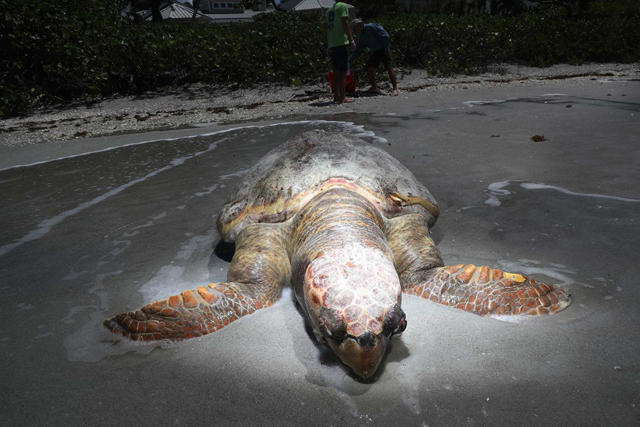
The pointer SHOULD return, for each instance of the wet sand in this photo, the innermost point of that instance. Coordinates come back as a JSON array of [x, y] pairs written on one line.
[[118, 221]]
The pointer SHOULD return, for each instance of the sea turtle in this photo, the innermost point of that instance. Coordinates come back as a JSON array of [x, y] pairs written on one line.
[[347, 226]]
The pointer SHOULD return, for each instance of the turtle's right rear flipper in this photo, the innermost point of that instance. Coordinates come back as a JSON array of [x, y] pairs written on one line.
[[191, 314]]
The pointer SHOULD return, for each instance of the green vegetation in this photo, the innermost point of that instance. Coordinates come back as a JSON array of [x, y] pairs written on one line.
[[62, 50]]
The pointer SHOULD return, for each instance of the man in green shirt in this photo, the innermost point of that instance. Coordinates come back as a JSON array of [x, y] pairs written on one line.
[[338, 38]]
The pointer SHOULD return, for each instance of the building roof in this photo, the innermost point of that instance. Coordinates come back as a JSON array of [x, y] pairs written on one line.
[[289, 4], [178, 12], [247, 16], [309, 5], [175, 11]]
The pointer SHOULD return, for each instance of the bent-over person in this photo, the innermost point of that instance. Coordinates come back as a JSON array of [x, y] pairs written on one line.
[[376, 38]]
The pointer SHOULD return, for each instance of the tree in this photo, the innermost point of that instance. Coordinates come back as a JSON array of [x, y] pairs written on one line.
[[156, 16], [507, 7], [568, 5], [371, 9], [196, 9], [135, 6]]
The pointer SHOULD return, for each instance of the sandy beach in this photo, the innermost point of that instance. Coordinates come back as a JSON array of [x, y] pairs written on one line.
[[196, 105], [125, 214]]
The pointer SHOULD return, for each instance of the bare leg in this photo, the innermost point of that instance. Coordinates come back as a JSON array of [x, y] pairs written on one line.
[[340, 86], [338, 91], [259, 269], [479, 290], [394, 82], [371, 74]]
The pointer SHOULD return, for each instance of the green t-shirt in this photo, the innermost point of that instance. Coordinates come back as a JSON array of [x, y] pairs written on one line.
[[335, 33]]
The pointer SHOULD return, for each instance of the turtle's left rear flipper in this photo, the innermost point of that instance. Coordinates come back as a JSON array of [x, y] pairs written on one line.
[[489, 292]]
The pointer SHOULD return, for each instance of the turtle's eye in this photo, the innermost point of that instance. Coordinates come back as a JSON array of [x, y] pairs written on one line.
[[395, 322], [332, 324]]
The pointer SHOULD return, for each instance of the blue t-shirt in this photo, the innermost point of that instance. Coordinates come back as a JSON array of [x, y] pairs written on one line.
[[374, 37]]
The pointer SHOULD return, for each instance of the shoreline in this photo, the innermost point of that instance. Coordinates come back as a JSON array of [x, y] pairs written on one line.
[[198, 105]]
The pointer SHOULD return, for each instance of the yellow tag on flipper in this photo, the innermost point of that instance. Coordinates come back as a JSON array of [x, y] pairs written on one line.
[[515, 277]]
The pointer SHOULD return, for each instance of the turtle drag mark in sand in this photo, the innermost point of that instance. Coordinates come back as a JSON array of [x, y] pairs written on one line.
[[347, 226]]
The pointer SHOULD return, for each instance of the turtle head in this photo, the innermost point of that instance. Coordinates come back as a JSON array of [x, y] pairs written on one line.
[[352, 297], [362, 352]]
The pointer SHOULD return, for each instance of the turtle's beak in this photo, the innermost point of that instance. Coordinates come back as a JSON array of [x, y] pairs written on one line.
[[362, 359]]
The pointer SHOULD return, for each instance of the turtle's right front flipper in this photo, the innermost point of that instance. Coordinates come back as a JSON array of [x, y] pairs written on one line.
[[259, 270], [481, 290], [489, 292]]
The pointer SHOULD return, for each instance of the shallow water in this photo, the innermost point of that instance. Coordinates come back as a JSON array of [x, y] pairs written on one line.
[[93, 235], [74, 188], [540, 211], [81, 188]]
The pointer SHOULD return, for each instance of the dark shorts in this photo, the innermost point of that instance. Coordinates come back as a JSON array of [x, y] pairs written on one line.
[[376, 58], [340, 58]]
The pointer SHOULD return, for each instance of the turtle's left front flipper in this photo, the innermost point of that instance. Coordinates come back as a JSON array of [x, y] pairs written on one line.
[[258, 271], [190, 314], [480, 290]]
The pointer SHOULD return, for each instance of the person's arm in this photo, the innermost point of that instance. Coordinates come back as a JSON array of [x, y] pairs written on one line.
[[347, 30], [358, 51]]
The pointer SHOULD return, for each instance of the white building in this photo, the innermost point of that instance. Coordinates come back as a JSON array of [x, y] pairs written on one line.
[[216, 6], [176, 13]]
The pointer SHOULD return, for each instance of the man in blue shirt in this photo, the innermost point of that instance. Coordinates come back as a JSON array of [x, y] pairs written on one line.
[[374, 37]]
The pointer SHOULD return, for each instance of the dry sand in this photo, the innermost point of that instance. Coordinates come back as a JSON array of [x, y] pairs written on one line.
[[198, 105]]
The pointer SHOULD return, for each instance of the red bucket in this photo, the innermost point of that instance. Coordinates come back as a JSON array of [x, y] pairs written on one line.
[[350, 82]]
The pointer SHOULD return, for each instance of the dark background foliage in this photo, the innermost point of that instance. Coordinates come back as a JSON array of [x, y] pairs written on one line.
[[62, 50]]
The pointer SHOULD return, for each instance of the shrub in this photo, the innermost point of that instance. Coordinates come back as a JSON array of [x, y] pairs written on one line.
[[61, 50]]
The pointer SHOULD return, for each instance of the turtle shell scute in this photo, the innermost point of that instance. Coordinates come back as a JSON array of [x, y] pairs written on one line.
[[290, 175]]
